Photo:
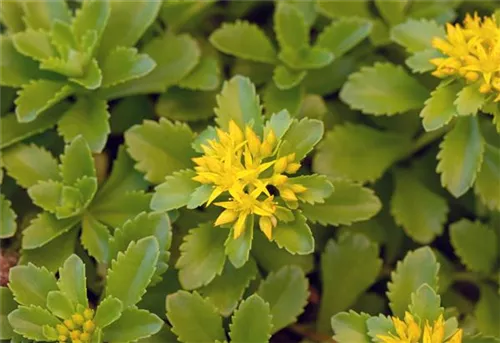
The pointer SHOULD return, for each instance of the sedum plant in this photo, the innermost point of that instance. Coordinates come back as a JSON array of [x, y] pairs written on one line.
[[340, 185]]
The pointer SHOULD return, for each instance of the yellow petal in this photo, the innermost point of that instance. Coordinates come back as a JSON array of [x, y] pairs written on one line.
[[457, 337], [215, 193], [280, 165], [253, 141], [235, 132], [400, 327], [239, 226], [297, 188], [292, 168], [266, 226], [288, 194], [227, 216], [427, 334]]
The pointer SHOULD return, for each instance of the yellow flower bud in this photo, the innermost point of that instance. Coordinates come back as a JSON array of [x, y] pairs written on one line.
[[485, 88], [292, 168], [225, 217], [266, 226], [85, 337], [88, 326], [62, 330], [278, 179], [253, 141], [62, 338], [297, 188], [266, 149], [271, 138], [280, 165], [77, 341], [75, 334], [69, 324], [235, 132], [291, 157], [288, 195], [472, 76], [88, 314], [496, 83], [78, 319]]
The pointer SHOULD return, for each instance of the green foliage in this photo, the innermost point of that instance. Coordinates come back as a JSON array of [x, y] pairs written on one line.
[[168, 177]]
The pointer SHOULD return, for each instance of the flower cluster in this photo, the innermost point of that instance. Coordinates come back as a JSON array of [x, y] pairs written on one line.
[[409, 331], [78, 328], [472, 52], [239, 164]]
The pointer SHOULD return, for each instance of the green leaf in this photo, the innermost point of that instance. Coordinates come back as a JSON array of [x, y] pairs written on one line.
[[416, 35], [460, 156], [392, 12], [350, 327], [244, 40], [77, 161], [380, 325], [375, 152], [11, 16], [132, 325], [383, 88], [44, 228], [202, 256], [126, 205], [226, 290], [418, 267], [34, 44], [238, 249], [88, 117], [342, 35], [204, 77], [286, 78], [124, 64], [318, 188], [46, 194], [13, 132], [92, 15], [286, 292], [53, 254], [251, 322], [349, 202], [126, 33], [276, 100], [108, 311], [160, 148], [488, 178], [354, 257], [475, 244], [92, 77], [469, 100], [16, 69], [29, 321], [301, 138], [185, 105], [271, 258], [186, 311], [439, 109], [60, 305], [290, 27], [95, 238], [8, 305], [41, 14], [200, 196], [30, 285], [295, 236], [143, 225], [344, 8], [8, 222], [306, 58], [426, 304], [72, 280], [175, 192], [131, 271], [175, 57], [421, 212], [419, 61], [486, 311], [239, 101], [37, 96]]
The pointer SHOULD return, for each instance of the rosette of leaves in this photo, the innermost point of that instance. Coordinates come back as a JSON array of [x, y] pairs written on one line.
[[344, 203], [412, 294], [384, 15], [41, 308], [71, 199], [276, 304], [52, 55]]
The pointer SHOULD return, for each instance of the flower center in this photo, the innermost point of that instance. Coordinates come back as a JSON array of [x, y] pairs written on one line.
[[78, 328]]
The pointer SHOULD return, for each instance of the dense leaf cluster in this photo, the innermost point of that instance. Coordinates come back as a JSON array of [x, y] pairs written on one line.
[[137, 137]]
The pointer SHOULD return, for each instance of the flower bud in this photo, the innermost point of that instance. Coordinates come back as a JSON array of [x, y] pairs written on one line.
[[89, 326], [266, 226], [288, 195], [235, 132], [485, 88], [297, 188], [78, 319], [253, 141], [279, 179], [88, 314], [69, 324], [62, 330], [280, 165], [471, 76], [75, 334], [292, 168]]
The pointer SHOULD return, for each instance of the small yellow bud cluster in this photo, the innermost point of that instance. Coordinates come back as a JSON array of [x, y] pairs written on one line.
[[78, 328], [239, 162], [473, 52]]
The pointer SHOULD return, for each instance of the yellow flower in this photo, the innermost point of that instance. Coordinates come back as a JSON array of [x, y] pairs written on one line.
[[409, 331], [78, 329], [241, 166], [472, 51]]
